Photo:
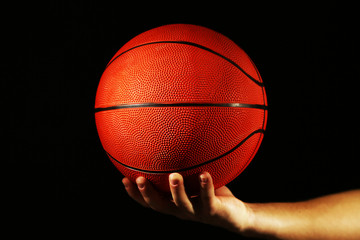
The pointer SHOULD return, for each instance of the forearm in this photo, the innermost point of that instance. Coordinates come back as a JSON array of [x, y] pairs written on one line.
[[335, 216]]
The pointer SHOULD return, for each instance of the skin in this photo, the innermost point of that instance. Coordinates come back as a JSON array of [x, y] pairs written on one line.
[[334, 216]]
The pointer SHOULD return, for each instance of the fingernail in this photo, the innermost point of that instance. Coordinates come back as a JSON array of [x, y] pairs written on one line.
[[141, 186], [203, 179], [174, 182], [140, 181]]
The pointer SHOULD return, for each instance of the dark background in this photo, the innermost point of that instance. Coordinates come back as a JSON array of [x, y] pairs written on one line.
[[58, 179]]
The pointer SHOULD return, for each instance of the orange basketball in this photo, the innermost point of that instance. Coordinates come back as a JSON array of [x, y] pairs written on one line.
[[181, 98]]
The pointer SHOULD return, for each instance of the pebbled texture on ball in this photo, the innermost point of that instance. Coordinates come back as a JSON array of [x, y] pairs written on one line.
[[174, 73], [222, 171], [174, 138], [181, 63], [198, 35]]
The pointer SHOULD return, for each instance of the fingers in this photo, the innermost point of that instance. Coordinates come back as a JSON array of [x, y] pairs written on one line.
[[153, 198], [144, 193], [178, 193], [207, 192], [133, 192], [195, 209], [206, 186]]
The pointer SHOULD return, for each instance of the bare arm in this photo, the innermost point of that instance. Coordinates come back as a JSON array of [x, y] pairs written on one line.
[[334, 216]]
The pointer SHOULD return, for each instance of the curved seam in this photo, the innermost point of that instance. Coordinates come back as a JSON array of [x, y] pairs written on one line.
[[191, 167], [195, 45]]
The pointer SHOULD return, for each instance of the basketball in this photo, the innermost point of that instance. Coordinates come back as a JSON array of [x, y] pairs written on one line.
[[181, 98]]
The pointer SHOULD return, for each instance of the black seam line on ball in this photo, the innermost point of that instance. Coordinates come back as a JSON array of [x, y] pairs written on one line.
[[146, 105], [195, 45], [192, 167]]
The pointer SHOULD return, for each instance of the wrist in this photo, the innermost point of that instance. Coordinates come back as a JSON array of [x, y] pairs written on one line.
[[248, 227], [241, 216], [259, 223]]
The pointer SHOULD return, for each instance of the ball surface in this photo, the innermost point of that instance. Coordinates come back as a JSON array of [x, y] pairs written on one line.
[[181, 98]]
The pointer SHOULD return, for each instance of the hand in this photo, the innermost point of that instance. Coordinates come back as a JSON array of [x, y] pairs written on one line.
[[334, 216], [217, 207]]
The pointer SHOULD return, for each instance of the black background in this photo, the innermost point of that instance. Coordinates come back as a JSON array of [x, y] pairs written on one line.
[[56, 176]]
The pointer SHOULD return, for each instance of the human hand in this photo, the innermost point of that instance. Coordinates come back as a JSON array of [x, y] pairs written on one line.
[[217, 207], [270, 220]]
